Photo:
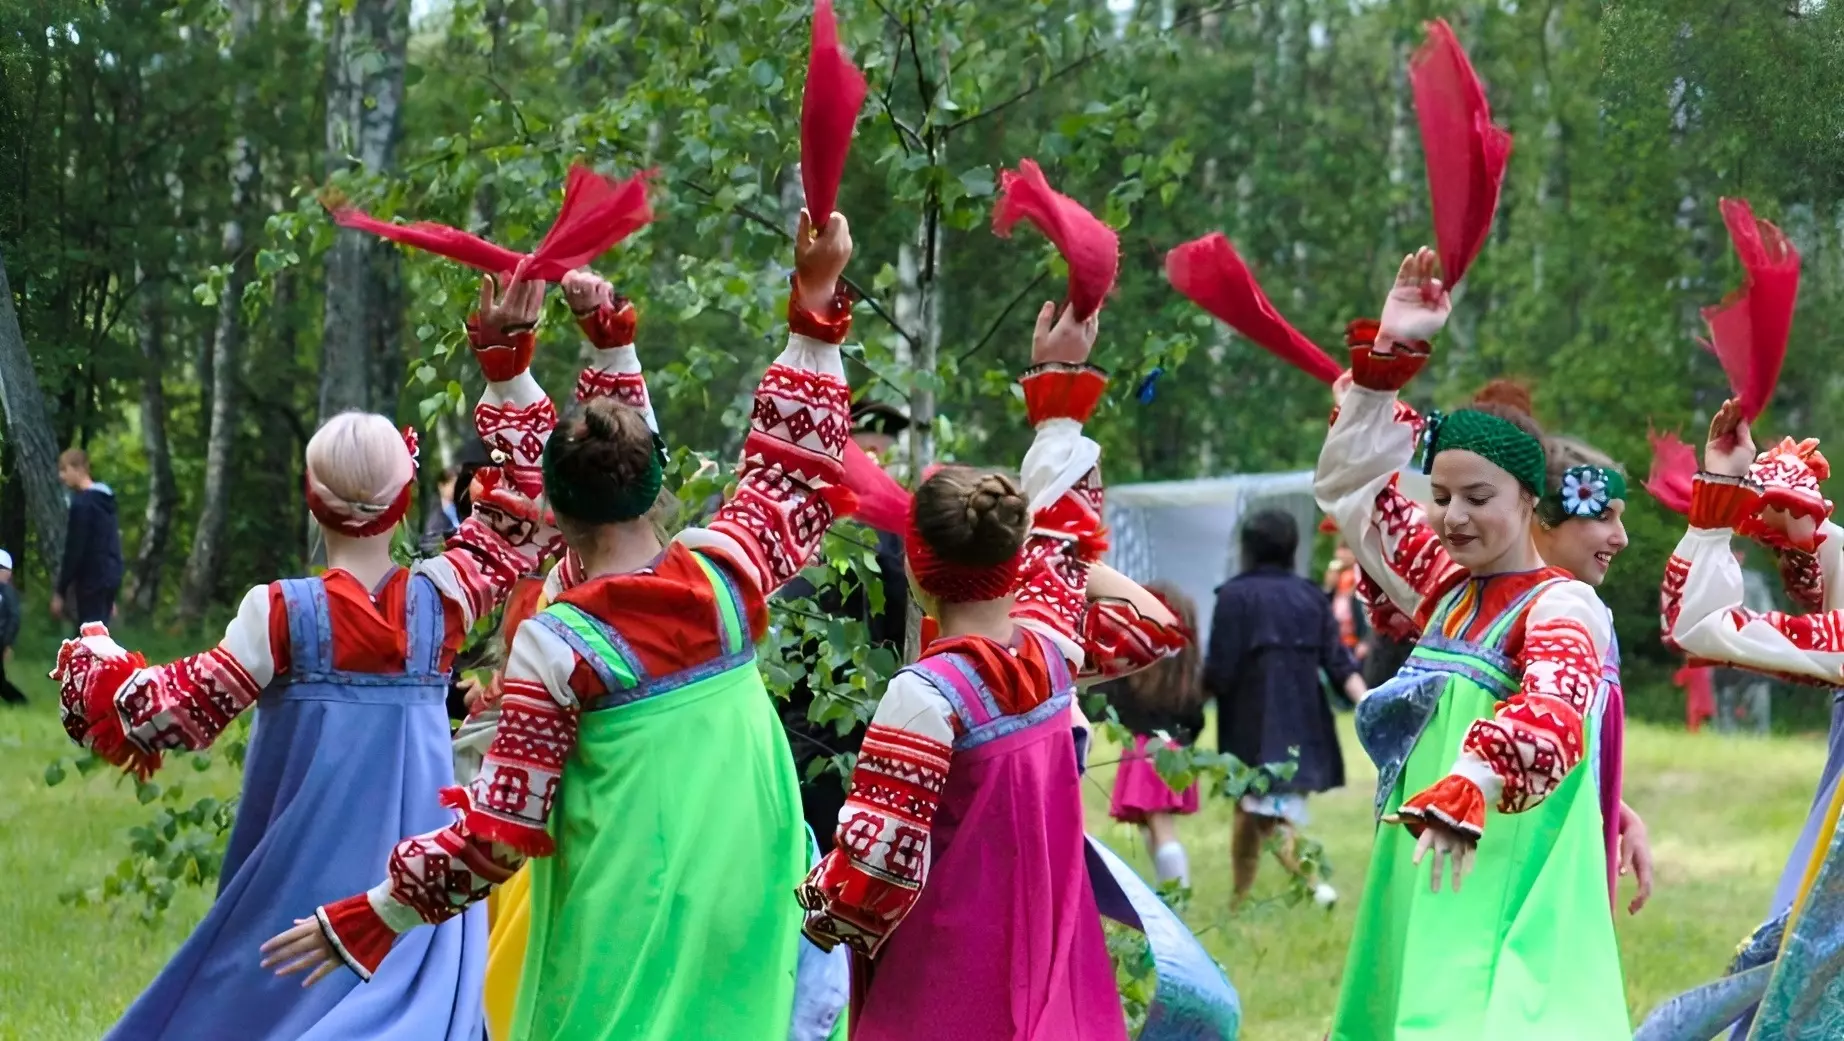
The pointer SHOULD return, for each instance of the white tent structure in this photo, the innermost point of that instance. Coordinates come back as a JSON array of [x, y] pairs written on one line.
[[1184, 532]]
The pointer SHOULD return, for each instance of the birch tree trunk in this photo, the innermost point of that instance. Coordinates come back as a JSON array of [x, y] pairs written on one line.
[[361, 358], [28, 433], [206, 560], [162, 495]]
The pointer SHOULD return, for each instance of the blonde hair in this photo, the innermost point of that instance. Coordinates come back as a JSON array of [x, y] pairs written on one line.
[[357, 464]]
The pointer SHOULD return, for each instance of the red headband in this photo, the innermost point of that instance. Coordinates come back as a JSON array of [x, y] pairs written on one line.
[[338, 516], [959, 583]]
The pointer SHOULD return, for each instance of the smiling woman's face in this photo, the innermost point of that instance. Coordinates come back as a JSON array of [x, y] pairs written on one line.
[[1583, 546], [1479, 510]]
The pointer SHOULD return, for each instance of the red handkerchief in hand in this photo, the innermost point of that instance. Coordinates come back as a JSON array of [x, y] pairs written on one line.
[[1089, 247], [1749, 329], [596, 214], [828, 112], [1213, 276], [1466, 152]]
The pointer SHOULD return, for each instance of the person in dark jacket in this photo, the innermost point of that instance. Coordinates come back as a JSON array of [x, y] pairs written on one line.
[[875, 426], [9, 629], [1271, 636], [92, 572]]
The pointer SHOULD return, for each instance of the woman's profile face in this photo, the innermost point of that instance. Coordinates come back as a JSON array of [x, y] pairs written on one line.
[[1480, 512], [1584, 546]]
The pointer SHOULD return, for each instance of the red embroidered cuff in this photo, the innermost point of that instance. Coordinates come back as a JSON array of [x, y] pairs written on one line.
[[502, 356], [1062, 391], [1718, 501], [528, 840], [611, 325], [87, 687], [1391, 371], [1454, 801], [831, 327], [358, 935]]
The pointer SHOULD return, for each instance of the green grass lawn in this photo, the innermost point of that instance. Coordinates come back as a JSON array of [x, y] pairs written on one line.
[[1722, 812]]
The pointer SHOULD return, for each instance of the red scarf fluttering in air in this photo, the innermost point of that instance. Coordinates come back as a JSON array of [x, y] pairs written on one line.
[[1674, 467], [596, 214], [1466, 152], [1749, 329], [1089, 247], [1213, 276], [828, 112]]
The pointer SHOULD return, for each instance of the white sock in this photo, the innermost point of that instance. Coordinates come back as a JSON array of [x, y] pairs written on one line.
[[1169, 862]]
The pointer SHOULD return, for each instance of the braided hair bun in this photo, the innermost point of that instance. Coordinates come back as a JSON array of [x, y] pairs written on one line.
[[971, 518]]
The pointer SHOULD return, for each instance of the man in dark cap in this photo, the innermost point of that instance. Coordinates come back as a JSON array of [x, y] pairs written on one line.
[[876, 427]]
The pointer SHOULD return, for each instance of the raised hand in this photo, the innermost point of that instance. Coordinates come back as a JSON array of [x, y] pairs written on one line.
[[1417, 306], [514, 311], [585, 291], [1062, 338], [819, 259], [1730, 449]]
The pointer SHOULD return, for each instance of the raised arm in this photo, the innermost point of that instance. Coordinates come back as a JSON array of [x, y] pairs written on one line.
[[792, 482], [1104, 623], [514, 416], [129, 713], [1516, 758], [431, 878], [1373, 436], [861, 891], [1705, 614]]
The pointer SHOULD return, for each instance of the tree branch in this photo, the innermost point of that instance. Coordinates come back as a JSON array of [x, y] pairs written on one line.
[[993, 329], [1079, 64], [751, 215]]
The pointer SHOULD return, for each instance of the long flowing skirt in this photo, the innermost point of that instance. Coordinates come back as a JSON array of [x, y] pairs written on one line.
[[668, 911], [1525, 952], [1005, 941], [334, 778]]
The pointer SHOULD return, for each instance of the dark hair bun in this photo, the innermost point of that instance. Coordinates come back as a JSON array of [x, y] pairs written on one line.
[[601, 464], [972, 518]]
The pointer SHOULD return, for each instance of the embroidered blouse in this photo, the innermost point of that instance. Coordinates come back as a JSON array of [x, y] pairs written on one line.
[[763, 536], [862, 890], [1704, 612], [1518, 756]]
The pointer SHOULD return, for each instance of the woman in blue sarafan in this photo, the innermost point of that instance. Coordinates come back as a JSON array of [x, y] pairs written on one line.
[[348, 755]]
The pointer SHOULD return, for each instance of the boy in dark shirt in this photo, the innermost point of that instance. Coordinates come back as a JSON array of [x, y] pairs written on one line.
[[92, 572]]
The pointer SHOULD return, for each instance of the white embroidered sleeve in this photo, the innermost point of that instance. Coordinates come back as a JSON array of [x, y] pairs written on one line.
[[1355, 483]]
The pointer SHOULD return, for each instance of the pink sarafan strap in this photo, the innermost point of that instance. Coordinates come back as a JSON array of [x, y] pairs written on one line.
[[954, 676]]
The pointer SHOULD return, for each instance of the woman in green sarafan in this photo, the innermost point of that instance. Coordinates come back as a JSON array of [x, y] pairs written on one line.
[[1480, 739], [639, 762]]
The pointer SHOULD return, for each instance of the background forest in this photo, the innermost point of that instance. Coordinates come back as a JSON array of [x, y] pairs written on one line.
[[187, 313], [174, 300]]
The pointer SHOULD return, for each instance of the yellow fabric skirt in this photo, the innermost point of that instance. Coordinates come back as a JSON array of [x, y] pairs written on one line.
[[509, 912]]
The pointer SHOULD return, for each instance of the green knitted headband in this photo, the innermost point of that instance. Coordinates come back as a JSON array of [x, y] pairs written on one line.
[[604, 505], [1587, 491], [1498, 440]]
